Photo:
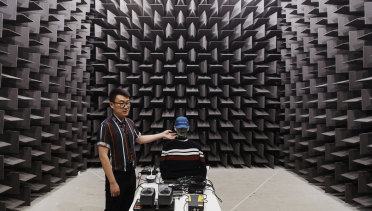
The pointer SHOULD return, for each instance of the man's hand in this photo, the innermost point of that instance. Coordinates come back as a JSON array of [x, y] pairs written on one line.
[[114, 189], [169, 135]]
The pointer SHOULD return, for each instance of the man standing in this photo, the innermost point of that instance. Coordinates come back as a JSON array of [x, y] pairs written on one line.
[[117, 137]]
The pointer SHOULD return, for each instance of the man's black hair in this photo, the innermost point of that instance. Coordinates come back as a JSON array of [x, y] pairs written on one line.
[[118, 91]]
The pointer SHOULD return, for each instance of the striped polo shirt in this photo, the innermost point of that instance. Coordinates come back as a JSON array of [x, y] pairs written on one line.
[[120, 137], [181, 158]]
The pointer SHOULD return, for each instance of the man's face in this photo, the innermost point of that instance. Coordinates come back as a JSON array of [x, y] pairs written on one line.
[[120, 106]]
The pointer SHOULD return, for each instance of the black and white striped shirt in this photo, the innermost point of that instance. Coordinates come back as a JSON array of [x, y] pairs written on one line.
[[181, 158]]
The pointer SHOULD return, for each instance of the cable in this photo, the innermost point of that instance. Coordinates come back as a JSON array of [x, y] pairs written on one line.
[[219, 199], [186, 202], [214, 190], [139, 185], [205, 198]]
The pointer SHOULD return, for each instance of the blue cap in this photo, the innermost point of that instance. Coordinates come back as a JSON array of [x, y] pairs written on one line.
[[181, 122]]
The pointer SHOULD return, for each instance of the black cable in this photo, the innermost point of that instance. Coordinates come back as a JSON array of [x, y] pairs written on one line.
[[139, 175], [214, 190], [219, 199], [139, 185]]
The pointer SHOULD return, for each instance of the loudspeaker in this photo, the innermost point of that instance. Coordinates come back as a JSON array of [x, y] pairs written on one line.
[[165, 195], [147, 197]]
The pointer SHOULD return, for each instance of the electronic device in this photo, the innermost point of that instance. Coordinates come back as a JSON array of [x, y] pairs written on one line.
[[193, 184], [196, 188], [147, 197], [149, 172], [165, 195], [196, 202], [150, 178], [139, 207]]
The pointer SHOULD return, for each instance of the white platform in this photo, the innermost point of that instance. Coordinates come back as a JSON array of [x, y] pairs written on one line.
[[240, 189], [210, 204]]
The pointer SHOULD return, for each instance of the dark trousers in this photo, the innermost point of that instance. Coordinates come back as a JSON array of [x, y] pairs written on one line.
[[127, 185]]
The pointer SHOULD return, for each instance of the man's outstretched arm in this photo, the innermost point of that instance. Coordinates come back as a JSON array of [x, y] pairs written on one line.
[[144, 139]]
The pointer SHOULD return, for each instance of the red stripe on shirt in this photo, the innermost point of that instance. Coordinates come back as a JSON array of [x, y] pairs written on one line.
[[133, 129], [126, 142], [116, 165], [175, 157], [105, 139]]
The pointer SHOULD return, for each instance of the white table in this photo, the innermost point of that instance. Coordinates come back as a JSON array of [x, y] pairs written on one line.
[[210, 204]]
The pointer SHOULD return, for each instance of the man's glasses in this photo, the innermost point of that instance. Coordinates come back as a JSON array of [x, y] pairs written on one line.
[[122, 105]]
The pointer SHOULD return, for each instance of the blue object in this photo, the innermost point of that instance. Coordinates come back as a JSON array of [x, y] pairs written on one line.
[[181, 122]]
